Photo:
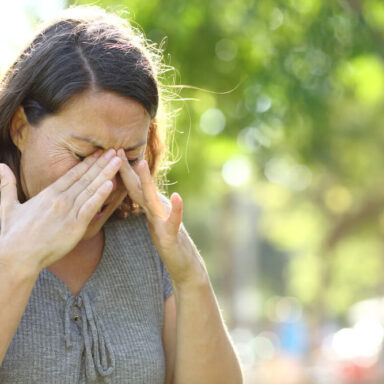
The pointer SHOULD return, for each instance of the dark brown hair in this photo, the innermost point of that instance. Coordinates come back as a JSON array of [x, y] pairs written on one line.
[[86, 48]]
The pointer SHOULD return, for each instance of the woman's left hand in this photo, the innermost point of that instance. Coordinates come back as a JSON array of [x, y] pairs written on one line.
[[176, 249]]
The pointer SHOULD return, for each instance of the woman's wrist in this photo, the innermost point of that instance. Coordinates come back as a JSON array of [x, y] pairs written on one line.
[[18, 263], [196, 280]]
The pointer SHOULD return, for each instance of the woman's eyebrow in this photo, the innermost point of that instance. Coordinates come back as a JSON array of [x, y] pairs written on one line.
[[97, 145]]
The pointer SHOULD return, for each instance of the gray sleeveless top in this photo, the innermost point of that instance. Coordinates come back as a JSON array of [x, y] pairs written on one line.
[[110, 332]]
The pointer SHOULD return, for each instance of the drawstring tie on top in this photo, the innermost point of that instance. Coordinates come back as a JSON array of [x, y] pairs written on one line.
[[95, 338]]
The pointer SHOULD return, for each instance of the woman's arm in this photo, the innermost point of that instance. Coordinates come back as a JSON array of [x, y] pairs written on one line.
[[42, 230], [169, 338], [203, 350], [197, 345], [16, 284]]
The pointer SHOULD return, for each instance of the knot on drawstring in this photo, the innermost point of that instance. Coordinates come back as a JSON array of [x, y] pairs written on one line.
[[98, 349]]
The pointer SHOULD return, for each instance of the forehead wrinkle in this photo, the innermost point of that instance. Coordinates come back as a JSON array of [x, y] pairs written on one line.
[[96, 144]]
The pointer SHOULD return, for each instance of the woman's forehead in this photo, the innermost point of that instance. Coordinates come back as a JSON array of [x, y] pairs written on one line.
[[105, 119]]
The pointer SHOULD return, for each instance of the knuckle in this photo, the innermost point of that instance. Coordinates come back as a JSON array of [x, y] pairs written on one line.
[[85, 181], [63, 203], [72, 174], [100, 165], [89, 160], [90, 191], [146, 200], [110, 177], [108, 173]]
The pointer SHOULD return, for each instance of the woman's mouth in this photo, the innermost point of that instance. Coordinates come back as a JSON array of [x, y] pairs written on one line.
[[102, 208], [100, 212]]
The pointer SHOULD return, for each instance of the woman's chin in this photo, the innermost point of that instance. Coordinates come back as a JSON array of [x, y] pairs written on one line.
[[91, 231], [94, 228]]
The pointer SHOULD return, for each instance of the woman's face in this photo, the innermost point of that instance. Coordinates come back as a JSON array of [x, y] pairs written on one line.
[[87, 122]]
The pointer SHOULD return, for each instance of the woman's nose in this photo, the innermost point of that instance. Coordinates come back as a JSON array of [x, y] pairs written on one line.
[[115, 180]]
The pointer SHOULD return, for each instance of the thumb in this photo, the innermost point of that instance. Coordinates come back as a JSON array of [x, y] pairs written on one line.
[[176, 214], [8, 190]]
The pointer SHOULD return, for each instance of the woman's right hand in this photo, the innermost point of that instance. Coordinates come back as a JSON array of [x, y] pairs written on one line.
[[49, 225]]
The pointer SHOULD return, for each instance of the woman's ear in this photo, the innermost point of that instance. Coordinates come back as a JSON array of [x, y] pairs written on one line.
[[19, 128]]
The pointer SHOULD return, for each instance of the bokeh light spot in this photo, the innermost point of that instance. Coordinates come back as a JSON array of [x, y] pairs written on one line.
[[226, 50], [212, 121], [236, 171]]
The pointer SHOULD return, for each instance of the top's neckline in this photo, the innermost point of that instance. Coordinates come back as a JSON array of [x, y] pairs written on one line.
[[87, 286]]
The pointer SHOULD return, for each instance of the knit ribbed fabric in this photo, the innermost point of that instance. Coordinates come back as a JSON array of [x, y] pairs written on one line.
[[110, 332]]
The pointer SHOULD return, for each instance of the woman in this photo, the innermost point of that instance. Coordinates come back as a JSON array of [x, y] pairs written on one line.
[[99, 281]]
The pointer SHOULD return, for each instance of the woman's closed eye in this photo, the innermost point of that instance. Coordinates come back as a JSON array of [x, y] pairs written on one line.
[[131, 162], [81, 158], [134, 161]]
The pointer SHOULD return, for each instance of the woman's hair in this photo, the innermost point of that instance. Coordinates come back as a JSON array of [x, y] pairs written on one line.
[[85, 48]]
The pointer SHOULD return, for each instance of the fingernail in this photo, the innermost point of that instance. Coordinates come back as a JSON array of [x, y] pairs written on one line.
[[116, 161], [97, 153], [109, 154]]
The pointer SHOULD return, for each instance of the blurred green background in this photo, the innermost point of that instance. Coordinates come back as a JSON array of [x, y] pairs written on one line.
[[280, 147]]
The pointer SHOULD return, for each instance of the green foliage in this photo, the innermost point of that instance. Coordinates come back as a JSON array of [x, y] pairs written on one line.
[[300, 84]]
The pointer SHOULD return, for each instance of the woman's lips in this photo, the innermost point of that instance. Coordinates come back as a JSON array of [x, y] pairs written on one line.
[[102, 208], [101, 212]]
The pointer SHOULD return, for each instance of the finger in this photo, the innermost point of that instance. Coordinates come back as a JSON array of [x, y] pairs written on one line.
[[75, 173], [93, 204], [151, 198], [91, 174], [130, 179], [8, 188], [108, 173], [176, 214]]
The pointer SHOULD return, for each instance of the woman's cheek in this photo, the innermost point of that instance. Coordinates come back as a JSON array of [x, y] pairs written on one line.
[[55, 166]]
